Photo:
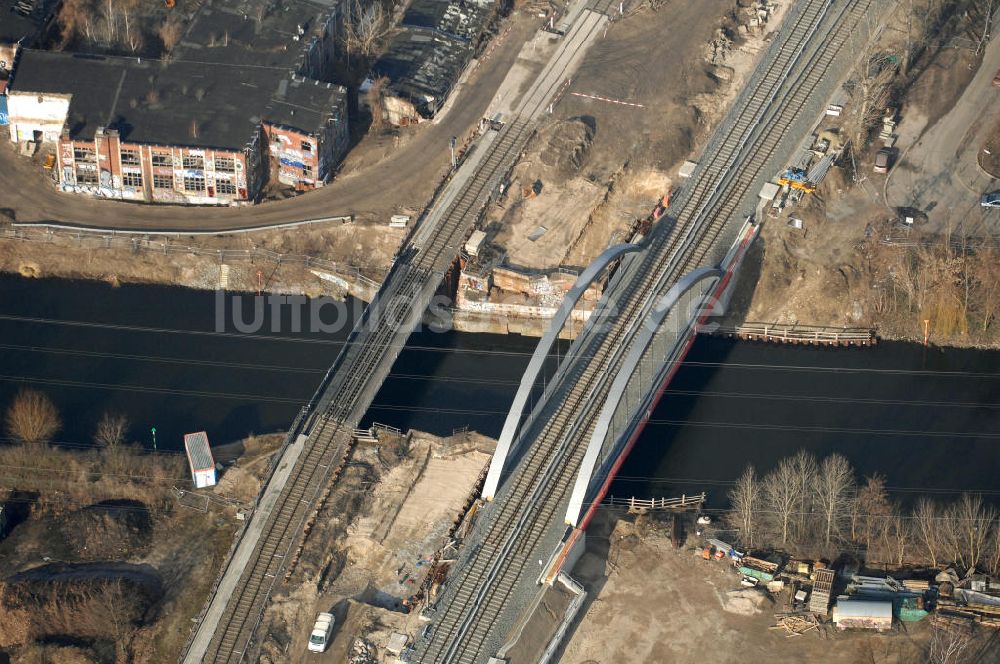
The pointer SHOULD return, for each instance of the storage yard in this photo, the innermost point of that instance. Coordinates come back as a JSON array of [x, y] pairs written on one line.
[[701, 606]]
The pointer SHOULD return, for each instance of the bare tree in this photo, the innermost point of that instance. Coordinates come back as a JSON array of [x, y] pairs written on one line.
[[870, 511], [781, 492], [928, 528], [111, 430], [870, 83], [364, 27], [986, 263], [835, 488], [898, 533], [968, 525], [744, 501], [32, 417], [948, 645], [113, 607], [992, 561], [74, 20], [170, 33], [805, 469]]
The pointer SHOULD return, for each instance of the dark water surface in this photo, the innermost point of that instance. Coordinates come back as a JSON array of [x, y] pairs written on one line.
[[924, 417]]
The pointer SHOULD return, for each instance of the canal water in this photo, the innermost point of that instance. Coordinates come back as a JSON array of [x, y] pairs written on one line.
[[162, 356]]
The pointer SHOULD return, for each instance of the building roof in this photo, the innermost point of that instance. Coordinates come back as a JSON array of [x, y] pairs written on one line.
[[176, 102], [438, 39], [460, 19], [24, 20], [856, 608], [252, 33], [198, 452], [423, 66]]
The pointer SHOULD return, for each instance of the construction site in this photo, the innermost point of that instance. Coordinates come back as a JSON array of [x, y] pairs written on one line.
[[526, 168]]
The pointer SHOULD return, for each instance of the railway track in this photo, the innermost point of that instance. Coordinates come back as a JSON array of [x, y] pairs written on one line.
[[372, 346], [349, 387], [527, 506]]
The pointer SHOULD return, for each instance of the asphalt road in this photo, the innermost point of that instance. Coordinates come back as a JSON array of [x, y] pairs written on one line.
[[408, 178], [940, 173]]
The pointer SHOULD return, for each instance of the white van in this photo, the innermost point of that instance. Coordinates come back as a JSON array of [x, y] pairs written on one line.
[[320, 637]]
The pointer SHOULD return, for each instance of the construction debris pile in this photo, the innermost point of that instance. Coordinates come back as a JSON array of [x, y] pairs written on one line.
[[795, 624], [973, 599], [806, 589], [363, 652]]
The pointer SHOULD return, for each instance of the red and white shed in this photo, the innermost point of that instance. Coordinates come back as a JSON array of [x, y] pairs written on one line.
[[200, 459]]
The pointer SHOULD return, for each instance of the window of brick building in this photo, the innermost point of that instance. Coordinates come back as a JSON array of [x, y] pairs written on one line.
[[307, 171], [224, 187], [191, 161], [163, 181], [162, 160], [194, 184], [307, 146], [86, 176], [225, 164], [130, 157], [84, 154], [132, 179]]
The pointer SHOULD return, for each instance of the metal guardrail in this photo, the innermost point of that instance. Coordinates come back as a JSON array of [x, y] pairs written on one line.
[[636, 504], [800, 334], [344, 219]]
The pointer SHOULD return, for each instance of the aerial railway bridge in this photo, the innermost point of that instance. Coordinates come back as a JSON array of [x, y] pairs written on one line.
[[320, 438], [554, 463]]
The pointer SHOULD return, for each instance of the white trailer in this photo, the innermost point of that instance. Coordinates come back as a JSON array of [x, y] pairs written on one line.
[[200, 459]]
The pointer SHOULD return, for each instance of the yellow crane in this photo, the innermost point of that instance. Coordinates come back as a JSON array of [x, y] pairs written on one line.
[[796, 179]]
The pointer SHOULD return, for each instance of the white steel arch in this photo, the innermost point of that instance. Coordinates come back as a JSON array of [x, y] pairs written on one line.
[[649, 329], [512, 423]]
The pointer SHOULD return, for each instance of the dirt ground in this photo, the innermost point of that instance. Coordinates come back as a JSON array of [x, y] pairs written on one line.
[[363, 248], [823, 273], [373, 542], [181, 545], [597, 167], [654, 603], [989, 156]]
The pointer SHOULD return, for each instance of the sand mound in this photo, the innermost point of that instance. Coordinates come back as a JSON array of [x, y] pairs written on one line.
[[567, 145], [743, 602]]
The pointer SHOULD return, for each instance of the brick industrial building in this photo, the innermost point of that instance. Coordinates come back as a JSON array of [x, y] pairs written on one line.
[[240, 100]]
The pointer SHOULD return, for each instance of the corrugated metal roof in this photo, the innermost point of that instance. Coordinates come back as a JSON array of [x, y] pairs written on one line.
[[856, 608], [198, 452]]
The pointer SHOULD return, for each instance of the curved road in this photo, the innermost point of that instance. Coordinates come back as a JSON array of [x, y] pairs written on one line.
[[408, 178], [940, 174]]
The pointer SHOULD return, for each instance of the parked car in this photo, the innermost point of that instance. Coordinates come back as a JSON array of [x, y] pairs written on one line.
[[990, 200], [883, 159], [996, 79], [319, 640]]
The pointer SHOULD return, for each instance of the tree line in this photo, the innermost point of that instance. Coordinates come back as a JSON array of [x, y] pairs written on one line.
[[817, 508], [113, 468]]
